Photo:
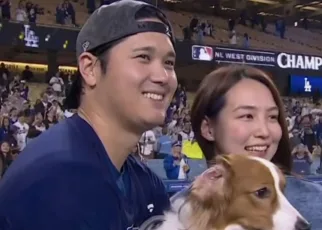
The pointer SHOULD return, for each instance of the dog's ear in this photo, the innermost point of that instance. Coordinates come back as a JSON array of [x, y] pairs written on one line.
[[210, 194], [219, 173]]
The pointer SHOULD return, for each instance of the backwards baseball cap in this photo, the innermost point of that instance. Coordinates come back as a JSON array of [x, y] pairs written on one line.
[[107, 25]]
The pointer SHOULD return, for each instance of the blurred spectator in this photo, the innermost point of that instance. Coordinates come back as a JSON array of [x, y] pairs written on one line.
[[164, 144], [22, 129], [60, 14], [4, 75], [147, 143], [13, 115], [233, 37], [91, 6], [6, 156], [33, 132], [201, 33], [186, 134], [50, 118], [5, 9], [246, 41], [302, 159], [31, 12], [27, 74], [38, 123], [57, 84], [42, 104], [187, 34], [70, 11], [176, 165], [5, 130], [308, 134], [231, 24], [21, 14]]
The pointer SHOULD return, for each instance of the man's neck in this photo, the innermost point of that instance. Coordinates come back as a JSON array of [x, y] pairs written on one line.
[[118, 142]]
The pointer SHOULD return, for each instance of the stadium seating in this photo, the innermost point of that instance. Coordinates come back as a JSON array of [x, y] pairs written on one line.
[[196, 167], [297, 40]]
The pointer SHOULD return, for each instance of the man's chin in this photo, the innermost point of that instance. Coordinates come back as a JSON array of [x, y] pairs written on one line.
[[154, 122]]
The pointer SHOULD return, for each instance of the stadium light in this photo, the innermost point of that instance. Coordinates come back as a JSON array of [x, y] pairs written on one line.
[[21, 35], [47, 38], [65, 44]]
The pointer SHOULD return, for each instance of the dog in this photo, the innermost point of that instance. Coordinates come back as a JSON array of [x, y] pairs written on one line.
[[238, 193]]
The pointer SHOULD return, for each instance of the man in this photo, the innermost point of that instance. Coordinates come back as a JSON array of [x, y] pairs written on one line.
[[147, 142], [79, 174], [176, 165], [22, 130]]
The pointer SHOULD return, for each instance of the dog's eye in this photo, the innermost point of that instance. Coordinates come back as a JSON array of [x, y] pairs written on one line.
[[262, 193]]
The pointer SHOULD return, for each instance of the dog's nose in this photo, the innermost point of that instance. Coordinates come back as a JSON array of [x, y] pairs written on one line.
[[302, 224]]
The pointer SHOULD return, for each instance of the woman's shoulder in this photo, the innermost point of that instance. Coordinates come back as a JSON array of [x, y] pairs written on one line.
[[306, 197]]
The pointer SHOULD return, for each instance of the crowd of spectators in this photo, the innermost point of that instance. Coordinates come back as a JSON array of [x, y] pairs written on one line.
[[65, 14], [25, 12], [22, 120], [204, 28]]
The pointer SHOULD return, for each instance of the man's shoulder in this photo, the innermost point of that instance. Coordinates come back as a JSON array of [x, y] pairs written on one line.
[[56, 146], [142, 170], [57, 137], [52, 193]]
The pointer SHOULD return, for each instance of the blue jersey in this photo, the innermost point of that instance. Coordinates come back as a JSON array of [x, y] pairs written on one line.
[[65, 180]]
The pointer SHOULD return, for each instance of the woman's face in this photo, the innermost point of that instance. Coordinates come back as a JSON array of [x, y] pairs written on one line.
[[248, 123], [6, 122], [14, 112], [5, 147]]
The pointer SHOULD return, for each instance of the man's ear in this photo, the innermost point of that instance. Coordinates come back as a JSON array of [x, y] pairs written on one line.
[[86, 64]]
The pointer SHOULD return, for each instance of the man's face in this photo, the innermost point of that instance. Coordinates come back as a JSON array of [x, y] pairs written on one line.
[[22, 119], [140, 80], [176, 151]]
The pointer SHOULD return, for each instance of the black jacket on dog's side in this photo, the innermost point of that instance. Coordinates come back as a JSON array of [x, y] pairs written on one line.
[[64, 180]]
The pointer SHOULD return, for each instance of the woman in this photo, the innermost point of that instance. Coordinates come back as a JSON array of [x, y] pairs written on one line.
[[238, 110], [50, 119], [6, 156], [39, 122], [6, 132], [302, 159]]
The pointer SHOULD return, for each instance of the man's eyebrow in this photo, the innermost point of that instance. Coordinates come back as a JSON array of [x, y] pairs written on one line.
[[153, 50]]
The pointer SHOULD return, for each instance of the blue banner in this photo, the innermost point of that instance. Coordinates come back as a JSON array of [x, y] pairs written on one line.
[[305, 84], [243, 56]]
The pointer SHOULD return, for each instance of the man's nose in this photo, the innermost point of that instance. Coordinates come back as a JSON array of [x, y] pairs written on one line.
[[160, 74], [302, 224]]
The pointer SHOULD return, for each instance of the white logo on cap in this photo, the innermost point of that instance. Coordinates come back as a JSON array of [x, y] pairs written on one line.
[[168, 31], [85, 46]]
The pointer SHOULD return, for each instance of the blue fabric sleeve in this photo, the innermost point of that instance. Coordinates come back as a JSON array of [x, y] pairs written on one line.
[[60, 196], [168, 163]]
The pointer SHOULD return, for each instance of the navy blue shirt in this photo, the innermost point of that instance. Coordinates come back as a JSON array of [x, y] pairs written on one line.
[[65, 180]]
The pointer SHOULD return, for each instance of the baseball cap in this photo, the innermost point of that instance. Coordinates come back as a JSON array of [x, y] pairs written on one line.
[[107, 25], [177, 144]]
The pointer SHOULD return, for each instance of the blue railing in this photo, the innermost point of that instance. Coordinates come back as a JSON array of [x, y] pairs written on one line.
[[174, 186]]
